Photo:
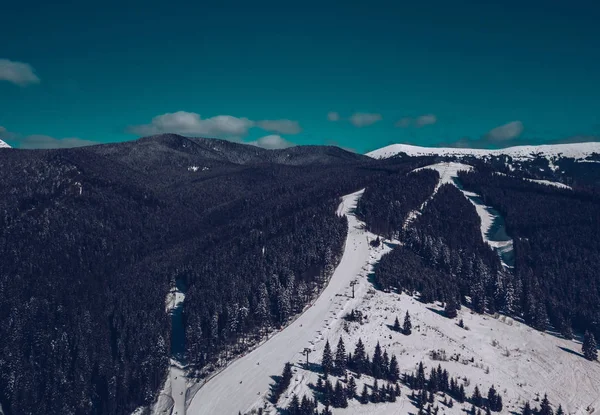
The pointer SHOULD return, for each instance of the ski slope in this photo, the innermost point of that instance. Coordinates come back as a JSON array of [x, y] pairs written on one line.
[[449, 175], [493, 350], [245, 383]]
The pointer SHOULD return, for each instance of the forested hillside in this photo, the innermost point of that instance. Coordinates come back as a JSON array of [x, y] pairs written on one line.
[[92, 239], [557, 248]]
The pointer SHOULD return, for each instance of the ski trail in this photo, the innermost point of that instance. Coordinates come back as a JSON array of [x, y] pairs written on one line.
[[245, 383]]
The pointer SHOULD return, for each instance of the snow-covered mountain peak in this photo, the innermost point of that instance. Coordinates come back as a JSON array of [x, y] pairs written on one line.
[[574, 150], [4, 145]]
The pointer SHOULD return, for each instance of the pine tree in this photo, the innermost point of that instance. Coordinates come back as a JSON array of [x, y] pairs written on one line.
[[407, 327], [375, 392], [340, 358], [397, 325], [328, 393], [339, 396], [351, 388], [394, 371], [294, 407], [420, 378], [527, 409], [589, 347], [560, 411], [327, 361], [451, 309], [359, 357], [364, 396], [545, 408], [477, 399], [377, 364], [461, 394], [385, 368]]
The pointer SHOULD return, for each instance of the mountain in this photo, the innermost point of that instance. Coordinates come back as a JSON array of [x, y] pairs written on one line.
[[3, 144], [579, 151], [133, 272]]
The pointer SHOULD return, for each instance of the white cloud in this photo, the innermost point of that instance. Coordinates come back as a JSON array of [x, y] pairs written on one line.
[[42, 141], [18, 73], [280, 126], [505, 132], [190, 123], [271, 142], [420, 121], [404, 122], [45, 141], [333, 116], [427, 119], [362, 119]]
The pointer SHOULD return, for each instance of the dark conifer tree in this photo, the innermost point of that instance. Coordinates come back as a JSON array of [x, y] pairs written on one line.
[[527, 409], [420, 377], [451, 308], [294, 407], [407, 327], [340, 358], [364, 396], [477, 399], [375, 392], [560, 411], [385, 368], [339, 396], [545, 408], [589, 347], [327, 361], [377, 363], [359, 357], [394, 371], [397, 325], [351, 388]]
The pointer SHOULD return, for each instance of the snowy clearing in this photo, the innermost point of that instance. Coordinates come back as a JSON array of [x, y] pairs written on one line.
[[245, 383]]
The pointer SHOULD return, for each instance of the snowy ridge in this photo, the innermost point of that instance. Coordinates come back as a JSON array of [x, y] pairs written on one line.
[[4, 145], [576, 151]]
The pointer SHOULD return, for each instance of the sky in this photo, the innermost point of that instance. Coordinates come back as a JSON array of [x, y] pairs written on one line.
[[359, 75]]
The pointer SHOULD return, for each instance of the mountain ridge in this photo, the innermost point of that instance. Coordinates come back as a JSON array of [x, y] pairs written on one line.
[[571, 150]]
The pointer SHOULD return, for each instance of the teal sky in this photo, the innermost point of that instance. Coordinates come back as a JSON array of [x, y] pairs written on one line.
[[427, 73]]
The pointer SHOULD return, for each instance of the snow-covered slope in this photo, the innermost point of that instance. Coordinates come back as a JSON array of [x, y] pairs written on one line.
[[4, 145], [492, 350], [244, 384], [576, 151]]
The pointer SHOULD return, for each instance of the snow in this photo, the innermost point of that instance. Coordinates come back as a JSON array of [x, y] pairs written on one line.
[[448, 172], [550, 183], [449, 175], [171, 399], [174, 299], [193, 168], [539, 181], [518, 360], [244, 384], [3, 145], [575, 150]]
